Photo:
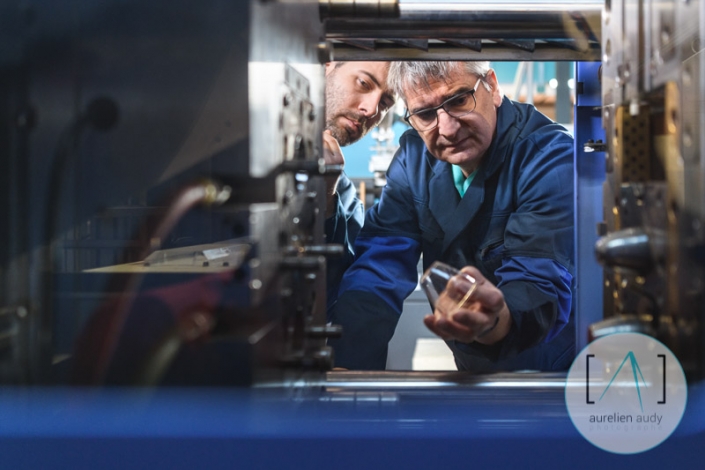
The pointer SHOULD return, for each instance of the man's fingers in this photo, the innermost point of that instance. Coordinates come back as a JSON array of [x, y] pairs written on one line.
[[474, 273], [488, 298], [473, 320], [485, 296], [452, 329], [466, 308], [328, 137], [430, 322], [449, 330], [332, 153], [459, 285]]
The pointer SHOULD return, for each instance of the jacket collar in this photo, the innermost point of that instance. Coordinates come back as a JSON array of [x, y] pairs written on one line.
[[452, 213]]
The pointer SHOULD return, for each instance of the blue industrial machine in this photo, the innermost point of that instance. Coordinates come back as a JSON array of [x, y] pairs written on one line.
[[162, 255]]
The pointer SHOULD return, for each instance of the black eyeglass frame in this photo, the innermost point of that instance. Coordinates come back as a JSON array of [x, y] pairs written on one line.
[[407, 116]]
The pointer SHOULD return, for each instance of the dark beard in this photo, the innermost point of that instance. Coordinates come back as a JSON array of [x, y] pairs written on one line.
[[342, 134], [339, 134], [333, 111]]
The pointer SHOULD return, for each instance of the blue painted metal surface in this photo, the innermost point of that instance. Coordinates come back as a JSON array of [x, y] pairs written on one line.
[[589, 177], [234, 428]]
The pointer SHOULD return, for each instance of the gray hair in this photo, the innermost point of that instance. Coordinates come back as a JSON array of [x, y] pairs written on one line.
[[417, 74]]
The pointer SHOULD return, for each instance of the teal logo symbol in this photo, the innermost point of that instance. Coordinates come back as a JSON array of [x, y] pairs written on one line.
[[626, 393], [636, 372]]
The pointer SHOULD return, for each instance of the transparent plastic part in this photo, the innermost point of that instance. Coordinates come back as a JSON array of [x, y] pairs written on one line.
[[435, 280]]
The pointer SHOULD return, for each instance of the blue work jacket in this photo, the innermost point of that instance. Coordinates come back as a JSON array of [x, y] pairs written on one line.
[[514, 223], [342, 228]]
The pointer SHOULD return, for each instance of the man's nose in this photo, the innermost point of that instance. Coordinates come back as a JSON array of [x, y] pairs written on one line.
[[448, 126], [369, 105]]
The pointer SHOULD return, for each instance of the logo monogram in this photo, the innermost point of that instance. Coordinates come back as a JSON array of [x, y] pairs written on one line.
[[616, 393]]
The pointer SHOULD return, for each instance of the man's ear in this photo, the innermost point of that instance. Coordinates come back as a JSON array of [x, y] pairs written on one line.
[[491, 79]]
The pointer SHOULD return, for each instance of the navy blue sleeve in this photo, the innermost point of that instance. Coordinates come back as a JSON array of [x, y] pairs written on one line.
[[536, 275], [383, 274], [342, 228]]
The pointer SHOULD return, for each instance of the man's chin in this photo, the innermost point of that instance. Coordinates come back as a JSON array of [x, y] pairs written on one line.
[[336, 133], [458, 157], [343, 136], [353, 139]]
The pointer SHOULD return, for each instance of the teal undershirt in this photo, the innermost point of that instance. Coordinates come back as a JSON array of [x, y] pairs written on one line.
[[461, 182]]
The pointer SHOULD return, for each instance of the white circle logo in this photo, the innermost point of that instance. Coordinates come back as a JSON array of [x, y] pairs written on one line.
[[626, 393]]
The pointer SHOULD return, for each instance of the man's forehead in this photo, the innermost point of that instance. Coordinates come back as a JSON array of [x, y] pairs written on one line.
[[433, 89], [376, 70]]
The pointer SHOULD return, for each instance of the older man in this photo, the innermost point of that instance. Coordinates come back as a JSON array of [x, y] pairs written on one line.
[[357, 98], [484, 183]]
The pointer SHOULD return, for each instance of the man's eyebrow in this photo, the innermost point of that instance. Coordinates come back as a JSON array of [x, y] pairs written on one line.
[[444, 98], [372, 77]]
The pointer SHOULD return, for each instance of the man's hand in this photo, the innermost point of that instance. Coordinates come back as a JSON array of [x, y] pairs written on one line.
[[332, 155], [484, 317]]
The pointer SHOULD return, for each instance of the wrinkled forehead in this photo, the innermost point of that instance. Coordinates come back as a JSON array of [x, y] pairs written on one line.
[[436, 83]]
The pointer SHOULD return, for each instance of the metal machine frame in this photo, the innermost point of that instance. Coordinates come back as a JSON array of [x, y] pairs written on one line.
[[65, 105]]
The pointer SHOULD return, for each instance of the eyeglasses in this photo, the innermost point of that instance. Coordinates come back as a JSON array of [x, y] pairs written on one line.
[[457, 106]]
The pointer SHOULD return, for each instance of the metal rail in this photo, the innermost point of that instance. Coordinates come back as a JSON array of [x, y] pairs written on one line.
[[412, 380], [505, 30]]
